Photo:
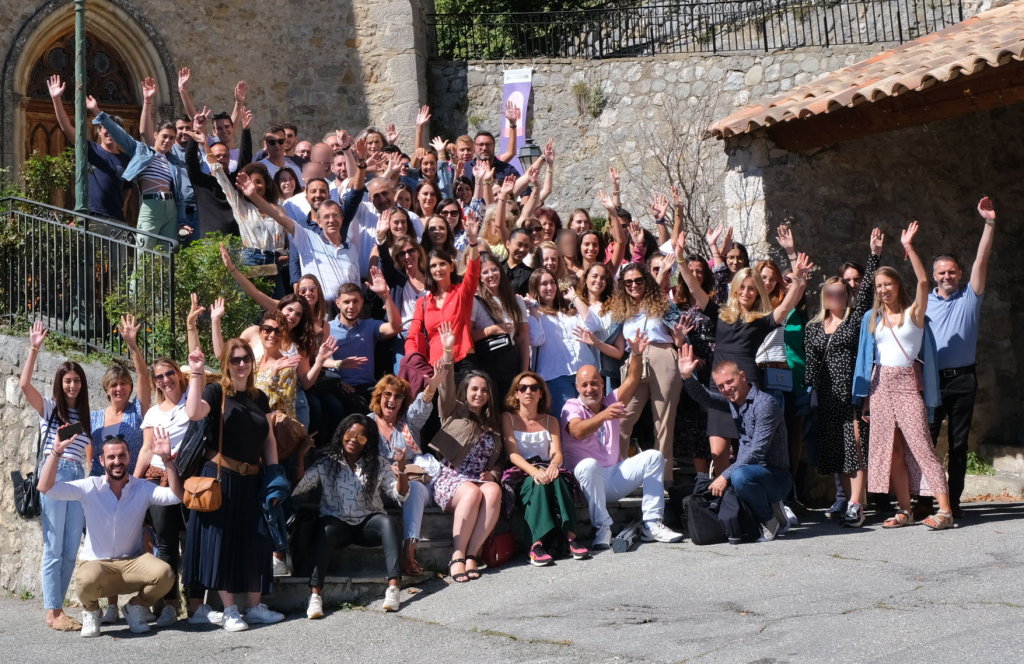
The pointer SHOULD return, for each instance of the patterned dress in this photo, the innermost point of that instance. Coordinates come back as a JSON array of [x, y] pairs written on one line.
[[282, 391], [450, 479], [690, 438]]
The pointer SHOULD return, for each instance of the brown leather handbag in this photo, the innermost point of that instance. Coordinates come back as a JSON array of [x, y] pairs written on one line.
[[202, 494]]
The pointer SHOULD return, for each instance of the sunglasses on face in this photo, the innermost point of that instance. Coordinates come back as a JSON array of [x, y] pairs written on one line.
[[358, 437], [536, 229], [274, 141], [629, 283], [307, 289], [788, 280], [449, 213], [407, 252], [240, 360], [532, 387], [393, 395], [270, 329], [164, 376]]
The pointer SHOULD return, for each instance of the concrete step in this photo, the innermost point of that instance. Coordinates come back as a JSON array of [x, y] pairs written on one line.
[[988, 487], [1004, 458]]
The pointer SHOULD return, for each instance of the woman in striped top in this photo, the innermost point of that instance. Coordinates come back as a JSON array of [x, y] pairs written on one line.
[[62, 521]]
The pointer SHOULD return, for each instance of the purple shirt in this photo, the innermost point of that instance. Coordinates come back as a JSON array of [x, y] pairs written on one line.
[[602, 445]]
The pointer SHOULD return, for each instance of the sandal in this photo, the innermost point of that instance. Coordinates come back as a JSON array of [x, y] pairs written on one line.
[[66, 623], [902, 518], [461, 577], [474, 573], [939, 521]]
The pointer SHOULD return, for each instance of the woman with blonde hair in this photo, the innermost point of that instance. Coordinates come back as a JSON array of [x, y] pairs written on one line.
[[900, 455], [740, 328]]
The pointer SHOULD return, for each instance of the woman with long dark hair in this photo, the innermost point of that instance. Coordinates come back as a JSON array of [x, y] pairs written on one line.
[[609, 346], [425, 198], [451, 211], [404, 267], [353, 474], [62, 521], [501, 327], [437, 235]]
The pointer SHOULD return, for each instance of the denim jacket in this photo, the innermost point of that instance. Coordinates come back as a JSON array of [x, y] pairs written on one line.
[[866, 364], [140, 153]]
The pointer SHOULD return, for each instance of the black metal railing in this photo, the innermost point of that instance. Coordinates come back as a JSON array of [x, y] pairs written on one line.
[[720, 26], [76, 273]]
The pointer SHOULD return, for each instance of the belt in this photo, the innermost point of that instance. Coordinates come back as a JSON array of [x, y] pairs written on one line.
[[159, 195], [958, 371], [240, 467], [773, 365]]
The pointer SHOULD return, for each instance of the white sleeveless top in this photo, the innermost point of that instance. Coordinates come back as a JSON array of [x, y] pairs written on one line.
[[533, 443], [887, 351], [257, 351]]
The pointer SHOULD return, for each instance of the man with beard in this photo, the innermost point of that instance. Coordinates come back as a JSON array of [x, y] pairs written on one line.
[[317, 191], [115, 504], [590, 443]]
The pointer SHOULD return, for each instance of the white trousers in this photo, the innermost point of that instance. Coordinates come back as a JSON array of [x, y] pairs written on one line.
[[616, 482]]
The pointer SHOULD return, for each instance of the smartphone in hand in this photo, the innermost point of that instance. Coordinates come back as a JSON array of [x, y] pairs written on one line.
[[70, 431]]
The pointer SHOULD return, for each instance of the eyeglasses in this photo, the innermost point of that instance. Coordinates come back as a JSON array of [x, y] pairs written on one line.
[[629, 283], [536, 229], [274, 141], [407, 252], [531, 387], [360, 438], [449, 213], [164, 376], [270, 329], [240, 360], [307, 289], [393, 395]]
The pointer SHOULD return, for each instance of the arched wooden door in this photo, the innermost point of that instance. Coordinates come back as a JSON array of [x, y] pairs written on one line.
[[108, 79]]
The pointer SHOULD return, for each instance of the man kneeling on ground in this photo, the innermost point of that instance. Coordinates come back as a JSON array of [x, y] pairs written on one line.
[[760, 474], [115, 505], [590, 443]]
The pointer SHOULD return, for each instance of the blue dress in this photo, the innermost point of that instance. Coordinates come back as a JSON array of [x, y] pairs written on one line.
[[130, 430]]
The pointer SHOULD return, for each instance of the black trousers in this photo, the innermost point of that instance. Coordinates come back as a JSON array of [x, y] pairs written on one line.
[[169, 525], [374, 530], [958, 395]]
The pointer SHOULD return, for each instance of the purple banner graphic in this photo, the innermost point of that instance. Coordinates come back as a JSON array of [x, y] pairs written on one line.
[[518, 83]]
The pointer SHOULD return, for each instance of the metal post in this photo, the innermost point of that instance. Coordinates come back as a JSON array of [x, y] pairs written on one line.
[[81, 137]]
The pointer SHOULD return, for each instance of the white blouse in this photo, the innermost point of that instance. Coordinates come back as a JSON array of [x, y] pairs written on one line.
[[258, 232], [657, 331], [558, 353]]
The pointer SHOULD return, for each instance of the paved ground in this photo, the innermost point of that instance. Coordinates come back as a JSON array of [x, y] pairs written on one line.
[[820, 594]]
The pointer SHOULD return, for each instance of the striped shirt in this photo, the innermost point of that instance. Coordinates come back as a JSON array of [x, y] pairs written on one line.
[[157, 175], [76, 450]]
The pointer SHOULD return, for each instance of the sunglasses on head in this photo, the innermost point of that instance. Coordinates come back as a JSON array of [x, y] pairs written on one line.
[[240, 360], [629, 283], [164, 376], [531, 387], [107, 439], [274, 141], [270, 329]]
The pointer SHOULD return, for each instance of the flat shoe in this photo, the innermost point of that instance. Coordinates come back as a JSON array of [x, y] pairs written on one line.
[[66, 624]]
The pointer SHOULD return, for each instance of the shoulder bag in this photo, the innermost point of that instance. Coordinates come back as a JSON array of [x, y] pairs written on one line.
[[27, 502], [202, 494], [916, 363], [484, 347]]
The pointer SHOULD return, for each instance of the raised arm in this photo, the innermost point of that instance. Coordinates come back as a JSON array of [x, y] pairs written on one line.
[[379, 285], [310, 372], [786, 241], [36, 337], [247, 187], [446, 402], [195, 407], [866, 295], [659, 210], [146, 126], [120, 136], [688, 363], [216, 313], [979, 272], [129, 330], [512, 114], [796, 291], [261, 298], [549, 173], [637, 346], [920, 306], [241, 97], [422, 127], [615, 228], [689, 278], [613, 174], [56, 88], [711, 237], [184, 76]]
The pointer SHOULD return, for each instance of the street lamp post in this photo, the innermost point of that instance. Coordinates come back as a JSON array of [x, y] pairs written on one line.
[[81, 137]]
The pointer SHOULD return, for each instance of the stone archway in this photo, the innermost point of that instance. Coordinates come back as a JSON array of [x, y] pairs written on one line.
[[116, 23]]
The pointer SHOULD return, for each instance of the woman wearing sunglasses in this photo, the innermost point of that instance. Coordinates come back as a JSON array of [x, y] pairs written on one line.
[[230, 549], [532, 441], [353, 475], [831, 342]]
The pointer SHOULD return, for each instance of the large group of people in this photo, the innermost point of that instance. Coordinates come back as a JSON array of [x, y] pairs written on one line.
[[448, 341]]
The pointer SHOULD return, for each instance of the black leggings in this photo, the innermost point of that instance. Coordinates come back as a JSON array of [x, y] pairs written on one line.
[[168, 524], [374, 530]]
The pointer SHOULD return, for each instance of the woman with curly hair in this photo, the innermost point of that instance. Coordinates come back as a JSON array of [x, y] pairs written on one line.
[[639, 305], [353, 474]]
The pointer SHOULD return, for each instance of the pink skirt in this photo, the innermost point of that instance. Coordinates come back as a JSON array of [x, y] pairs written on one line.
[[896, 404]]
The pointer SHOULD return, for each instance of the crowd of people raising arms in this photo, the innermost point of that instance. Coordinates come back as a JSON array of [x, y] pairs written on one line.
[[447, 341]]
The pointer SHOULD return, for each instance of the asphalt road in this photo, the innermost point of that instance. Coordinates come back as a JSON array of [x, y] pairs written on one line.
[[819, 594]]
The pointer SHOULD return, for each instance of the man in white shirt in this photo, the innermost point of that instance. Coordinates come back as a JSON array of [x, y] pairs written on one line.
[[115, 504]]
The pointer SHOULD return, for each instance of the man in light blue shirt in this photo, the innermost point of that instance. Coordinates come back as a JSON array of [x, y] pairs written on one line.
[[954, 312]]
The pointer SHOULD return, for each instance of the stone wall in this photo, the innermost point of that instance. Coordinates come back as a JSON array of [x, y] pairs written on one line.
[[21, 541]]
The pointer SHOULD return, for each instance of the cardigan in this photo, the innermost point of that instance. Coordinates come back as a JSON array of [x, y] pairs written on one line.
[[459, 430]]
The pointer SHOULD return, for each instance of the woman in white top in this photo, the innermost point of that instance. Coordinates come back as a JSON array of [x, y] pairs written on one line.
[[559, 352], [500, 325], [62, 521], [532, 441], [168, 522], [609, 346], [641, 307], [900, 454], [772, 353]]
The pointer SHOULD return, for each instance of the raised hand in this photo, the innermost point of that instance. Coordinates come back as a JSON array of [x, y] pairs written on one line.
[[246, 119], [877, 240], [803, 267], [549, 153], [439, 145], [344, 139], [659, 208], [907, 236], [508, 185], [161, 443], [472, 226], [92, 105], [727, 242], [423, 117], [377, 282], [680, 330], [383, 225], [636, 233], [241, 92], [532, 173], [512, 112], [613, 173], [218, 309], [37, 335], [452, 151], [460, 166], [59, 446], [440, 370], [606, 201], [447, 336], [246, 185], [378, 162], [680, 247], [584, 336], [391, 133], [196, 362], [196, 311], [129, 329], [286, 363], [614, 411], [225, 256], [353, 363], [677, 197], [184, 76], [985, 209], [712, 235], [57, 87], [639, 343], [688, 363], [327, 348], [148, 90], [785, 239], [480, 170], [362, 152]]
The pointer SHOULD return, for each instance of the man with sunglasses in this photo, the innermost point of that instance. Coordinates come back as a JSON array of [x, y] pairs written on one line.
[[274, 146], [115, 504]]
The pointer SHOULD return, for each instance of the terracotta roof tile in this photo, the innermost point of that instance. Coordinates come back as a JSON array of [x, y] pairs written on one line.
[[993, 38]]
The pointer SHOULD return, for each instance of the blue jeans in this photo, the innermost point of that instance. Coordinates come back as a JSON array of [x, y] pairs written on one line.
[[759, 487], [302, 407], [562, 389], [256, 257], [63, 522]]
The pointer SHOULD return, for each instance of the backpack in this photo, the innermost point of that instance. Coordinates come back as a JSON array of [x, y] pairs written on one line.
[[699, 512]]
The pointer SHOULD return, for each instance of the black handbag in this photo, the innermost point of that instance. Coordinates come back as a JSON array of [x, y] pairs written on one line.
[[27, 502], [192, 452], [492, 344]]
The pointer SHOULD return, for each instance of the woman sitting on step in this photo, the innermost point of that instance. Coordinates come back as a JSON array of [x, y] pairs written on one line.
[[353, 474]]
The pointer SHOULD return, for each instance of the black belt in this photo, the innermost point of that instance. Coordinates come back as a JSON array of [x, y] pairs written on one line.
[[958, 371], [160, 195]]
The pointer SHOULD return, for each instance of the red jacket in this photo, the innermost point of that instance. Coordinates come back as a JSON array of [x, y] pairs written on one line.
[[457, 309]]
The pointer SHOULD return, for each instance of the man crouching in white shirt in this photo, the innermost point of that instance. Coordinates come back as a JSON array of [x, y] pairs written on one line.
[[115, 505]]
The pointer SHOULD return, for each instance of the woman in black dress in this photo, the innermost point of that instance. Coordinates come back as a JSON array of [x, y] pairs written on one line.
[[230, 548], [741, 326], [831, 343]]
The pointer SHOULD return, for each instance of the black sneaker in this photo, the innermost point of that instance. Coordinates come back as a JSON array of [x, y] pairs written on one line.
[[838, 510]]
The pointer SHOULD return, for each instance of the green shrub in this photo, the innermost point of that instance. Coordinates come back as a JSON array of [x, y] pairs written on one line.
[[44, 174], [978, 466]]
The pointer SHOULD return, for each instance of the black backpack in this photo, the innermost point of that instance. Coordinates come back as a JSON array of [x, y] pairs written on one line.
[[700, 515]]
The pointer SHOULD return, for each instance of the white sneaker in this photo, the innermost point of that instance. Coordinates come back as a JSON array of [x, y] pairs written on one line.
[[281, 567], [233, 620], [110, 616], [769, 531], [392, 600], [603, 539], [147, 614], [168, 617], [204, 615], [790, 516], [263, 615], [316, 607], [656, 531], [91, 623], [779, 512], [136, 617]]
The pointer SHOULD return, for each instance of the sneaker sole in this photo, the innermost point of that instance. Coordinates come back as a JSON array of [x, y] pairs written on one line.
[[580, 556], [90, 635], [236, 629], [315, 616], [648, 538], [540, 563]]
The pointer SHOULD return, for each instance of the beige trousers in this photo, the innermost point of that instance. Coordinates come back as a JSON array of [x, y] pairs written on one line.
[[147, 575], [662, 387]]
